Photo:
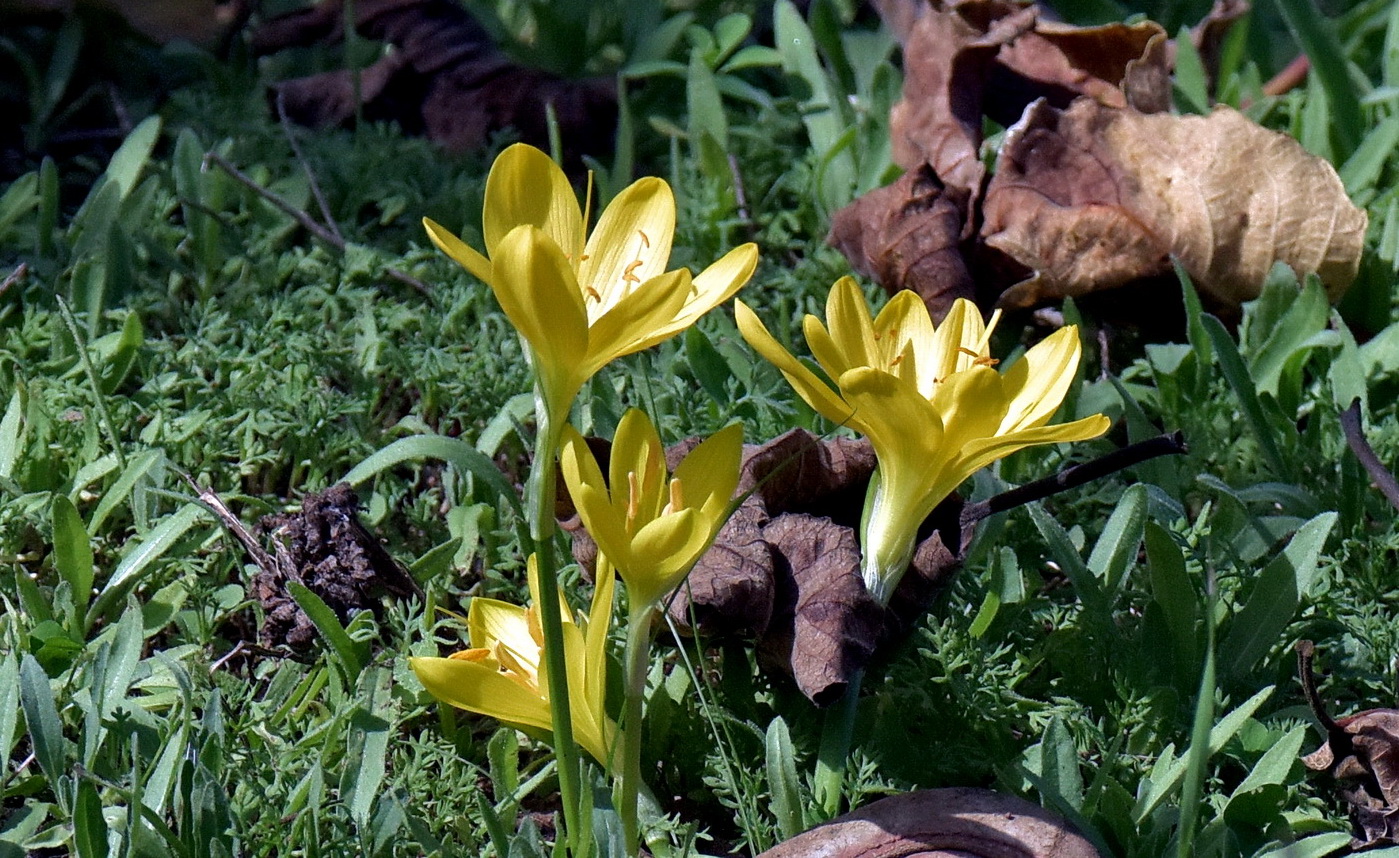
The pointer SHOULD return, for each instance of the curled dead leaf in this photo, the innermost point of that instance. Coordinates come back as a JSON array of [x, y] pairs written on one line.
[[907, 236], [1093, 197], [955, 822], [1362, 750]]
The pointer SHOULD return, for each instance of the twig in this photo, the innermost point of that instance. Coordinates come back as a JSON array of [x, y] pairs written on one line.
[[305, 167], [1289, 78], [306, 221], [212, 502], [741, 197], [1360, 446], [1170, 444], [1306, 650], [21, 271]]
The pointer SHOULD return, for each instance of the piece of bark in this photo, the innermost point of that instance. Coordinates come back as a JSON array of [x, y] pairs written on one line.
[[955, 822], [1093, 197], [444, 78], [908, 236]]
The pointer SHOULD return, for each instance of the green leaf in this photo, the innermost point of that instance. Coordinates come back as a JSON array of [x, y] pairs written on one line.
[[133, 336], [455, 451], [1169, 772], [41, 719], [1062, 550], [1317, 37], [367, 745], [1277, 591], [11, 434], [1172, 589], [72, 549], [1361, 171], [9, 702], [781, 766], [1192, 84], [1197, 757], [131, 157], [1236, 374], [706, 108], [89, 828], [1275, 764], [503, 757], [1116, 549], [140, 558], [349, 655]]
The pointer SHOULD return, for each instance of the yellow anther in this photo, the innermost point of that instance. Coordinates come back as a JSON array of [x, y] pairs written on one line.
[[645, 242], [592, 293], [631, 267], [633, 496], [677, 498], [979, 359], [896, 361]]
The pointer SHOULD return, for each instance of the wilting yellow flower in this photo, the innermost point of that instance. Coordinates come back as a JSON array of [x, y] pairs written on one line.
[[579, 303], [503, 673], [652, 530], [929, 401]]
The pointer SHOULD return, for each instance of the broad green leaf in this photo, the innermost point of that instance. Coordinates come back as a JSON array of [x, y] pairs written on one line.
[[41, 719], [1276, 762], [1192, 84], [1116, 549], [1062, 550], [139, 559], [456, 451], [11, 434], [780, 761], [1236, 374], [350, 656], [1331, 67], [1172, 589], [9, 702], [72, 550], [89, 828], [130, 159], [1276, 594], [367, 744]]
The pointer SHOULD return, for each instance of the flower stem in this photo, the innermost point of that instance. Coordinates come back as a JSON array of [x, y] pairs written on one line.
[[541, 492], [635, 659], [835, 747]]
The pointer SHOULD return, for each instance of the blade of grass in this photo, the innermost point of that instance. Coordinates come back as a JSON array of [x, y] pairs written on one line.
[[1317, 37], [1231, 363], [459, 453]]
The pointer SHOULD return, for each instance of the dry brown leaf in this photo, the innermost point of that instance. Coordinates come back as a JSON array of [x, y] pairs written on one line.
[[200, 22], [1093, 197], [907, 236], [956, 822], [444, 78]]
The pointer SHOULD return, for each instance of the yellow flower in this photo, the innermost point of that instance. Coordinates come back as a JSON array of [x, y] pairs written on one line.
[[581, 303], [502, 675], [652, 530], [929, 401]]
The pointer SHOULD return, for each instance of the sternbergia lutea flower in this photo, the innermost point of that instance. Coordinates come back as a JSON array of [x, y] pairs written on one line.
[[581, 300], [928, 398], [502, 673], [652, 529]]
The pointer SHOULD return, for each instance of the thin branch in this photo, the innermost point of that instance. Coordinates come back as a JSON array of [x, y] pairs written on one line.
[[21, 271], [1291, 77], [305, 220], [1306, 650], [305, 166], [1171, 444], [1360, 446], [211, 501]]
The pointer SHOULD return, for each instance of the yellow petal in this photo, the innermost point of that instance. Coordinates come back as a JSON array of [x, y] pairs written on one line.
[[458, 250], [904, 331], [1040, 380], [970, 404], [637, 467], [851, 330], [961, 329], [607, 529], [631, 323], [484, 690], [709, 474], [981, 453], [490, 621], [812, 389], [591, 727], [662, 553], [526, 187], [537, 290], [577, 464], [631, 243]]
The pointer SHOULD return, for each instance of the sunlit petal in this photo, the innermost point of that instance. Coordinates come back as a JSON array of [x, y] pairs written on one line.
[[1039, 381], [624, 328], [460, 252], [709, 474], [815, 391], [484, 690], [850, 327], [526, 187], [538, 291], [631, 243]]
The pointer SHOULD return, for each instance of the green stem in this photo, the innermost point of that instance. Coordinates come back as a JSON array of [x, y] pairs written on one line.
[[635, 659], [541, 511], [835, 747]]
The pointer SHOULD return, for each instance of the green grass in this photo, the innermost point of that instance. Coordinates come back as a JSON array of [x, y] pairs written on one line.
[[212, 337]]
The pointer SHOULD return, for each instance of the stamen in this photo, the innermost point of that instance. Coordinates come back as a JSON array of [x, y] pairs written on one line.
[[645, 242], [896, 361], [631, 267], [677, 498], [592, 293], [978, 359], [633, 496]]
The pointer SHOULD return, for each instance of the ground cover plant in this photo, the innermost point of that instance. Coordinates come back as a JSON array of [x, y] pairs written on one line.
[[210, 317]]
